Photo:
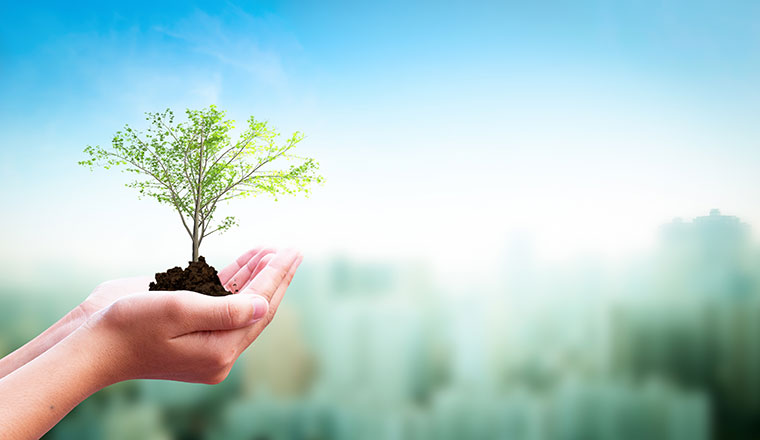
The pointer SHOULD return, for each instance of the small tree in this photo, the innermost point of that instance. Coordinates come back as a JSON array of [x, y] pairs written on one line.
[[195, 165]]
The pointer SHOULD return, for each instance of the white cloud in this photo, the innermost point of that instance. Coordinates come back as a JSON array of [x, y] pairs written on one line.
[[232, 40]]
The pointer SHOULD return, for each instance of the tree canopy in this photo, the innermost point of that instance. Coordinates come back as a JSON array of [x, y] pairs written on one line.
[[195, 165]]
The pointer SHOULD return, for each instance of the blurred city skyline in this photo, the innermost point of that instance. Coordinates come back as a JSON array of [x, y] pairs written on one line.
[[664, 346]]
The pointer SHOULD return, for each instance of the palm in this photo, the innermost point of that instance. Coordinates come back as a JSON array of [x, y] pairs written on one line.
[[236, 276], [109, 291]]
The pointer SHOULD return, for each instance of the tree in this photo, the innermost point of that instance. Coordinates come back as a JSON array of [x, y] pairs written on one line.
[[194, 165]]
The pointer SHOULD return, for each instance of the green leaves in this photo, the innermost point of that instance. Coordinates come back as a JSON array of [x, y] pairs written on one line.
[[226, 224], [194, 165]]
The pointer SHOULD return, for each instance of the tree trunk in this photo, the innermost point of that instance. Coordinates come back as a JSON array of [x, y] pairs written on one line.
[[196, 215], [196, 245], [196, 232]]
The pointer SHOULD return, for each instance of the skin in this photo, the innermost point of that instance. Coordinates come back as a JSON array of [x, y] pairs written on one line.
[[123, 332]]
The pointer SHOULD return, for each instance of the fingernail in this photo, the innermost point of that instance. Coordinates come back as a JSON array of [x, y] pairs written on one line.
[[260, 307]]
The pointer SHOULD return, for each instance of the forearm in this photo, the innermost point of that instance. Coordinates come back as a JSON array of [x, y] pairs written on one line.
[[36, 396], [56, 333]]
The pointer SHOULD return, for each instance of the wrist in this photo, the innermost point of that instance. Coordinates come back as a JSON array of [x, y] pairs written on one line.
[[44, 390], [101, 352], [43, 342]]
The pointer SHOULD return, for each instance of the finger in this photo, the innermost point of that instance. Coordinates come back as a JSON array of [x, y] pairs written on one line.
[[270, 277], [283, 287], [262, 264], [252, 332], [259, 267], [237, 282], [227, 273], [202, 312]]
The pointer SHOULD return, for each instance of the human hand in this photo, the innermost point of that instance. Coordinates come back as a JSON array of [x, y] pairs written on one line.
[[126, 335], [236, 276], [189, 337]]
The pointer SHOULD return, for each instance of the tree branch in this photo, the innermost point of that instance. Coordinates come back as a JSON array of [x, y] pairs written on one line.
[[171, 132], [242, 147], [176, 139], [215, 230], [167, 186], [232, 185]]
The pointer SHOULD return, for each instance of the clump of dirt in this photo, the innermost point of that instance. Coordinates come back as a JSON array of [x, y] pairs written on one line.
[[197, 277]]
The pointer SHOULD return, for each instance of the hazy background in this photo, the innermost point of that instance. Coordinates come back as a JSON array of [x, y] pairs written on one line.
[[492, 255]]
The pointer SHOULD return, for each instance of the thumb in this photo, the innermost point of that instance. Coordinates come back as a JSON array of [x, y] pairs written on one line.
[[225, 312]]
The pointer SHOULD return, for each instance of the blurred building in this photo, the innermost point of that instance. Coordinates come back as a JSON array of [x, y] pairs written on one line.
[[665, 347], [698, 326]]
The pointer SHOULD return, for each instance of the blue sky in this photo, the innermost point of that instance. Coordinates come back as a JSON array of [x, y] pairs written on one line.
[[442, 127]]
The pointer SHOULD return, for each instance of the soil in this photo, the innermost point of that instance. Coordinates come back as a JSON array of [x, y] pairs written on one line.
[[197, 277]]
